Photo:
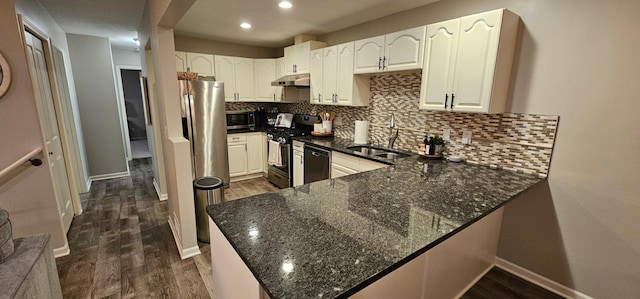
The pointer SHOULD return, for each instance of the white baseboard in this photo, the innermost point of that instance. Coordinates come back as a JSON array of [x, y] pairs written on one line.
[[108, 176], [88, 183], [475, 281], [247, 177], [540, 280], [61, 251], [161, 196], [185, 253]]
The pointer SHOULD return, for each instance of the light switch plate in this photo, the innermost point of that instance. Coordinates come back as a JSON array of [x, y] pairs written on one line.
[[466, 137], [337, 121], [446, 134]]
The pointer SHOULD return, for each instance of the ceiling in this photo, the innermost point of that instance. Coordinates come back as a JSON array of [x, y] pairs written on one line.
[[220, 19], [116, 19], [275, 27]]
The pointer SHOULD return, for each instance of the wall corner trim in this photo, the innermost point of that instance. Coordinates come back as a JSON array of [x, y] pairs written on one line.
[[61, 251], [161, 196], [185, 253], [540, 280]]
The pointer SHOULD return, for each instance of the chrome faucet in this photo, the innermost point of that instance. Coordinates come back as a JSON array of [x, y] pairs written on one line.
[[392, 136]]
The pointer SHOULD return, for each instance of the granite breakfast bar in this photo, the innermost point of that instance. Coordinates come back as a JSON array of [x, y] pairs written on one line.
[[404, 231]]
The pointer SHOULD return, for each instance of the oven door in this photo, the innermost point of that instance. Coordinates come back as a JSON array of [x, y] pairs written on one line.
[[280, 175]]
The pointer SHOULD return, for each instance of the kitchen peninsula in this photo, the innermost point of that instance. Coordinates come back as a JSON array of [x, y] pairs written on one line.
[[415, 229]]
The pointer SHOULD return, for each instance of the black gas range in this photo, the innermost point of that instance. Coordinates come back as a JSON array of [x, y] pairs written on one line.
[[279, 152]]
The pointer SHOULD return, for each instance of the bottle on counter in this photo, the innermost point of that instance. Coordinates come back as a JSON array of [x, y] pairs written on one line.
[[427, 144]]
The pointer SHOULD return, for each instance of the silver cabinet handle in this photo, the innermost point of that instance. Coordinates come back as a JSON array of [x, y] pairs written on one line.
[[245, 147], [274, 97], [379, 63], [384, 62]]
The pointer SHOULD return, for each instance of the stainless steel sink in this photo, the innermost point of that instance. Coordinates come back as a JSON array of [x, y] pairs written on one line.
[[372, 151]]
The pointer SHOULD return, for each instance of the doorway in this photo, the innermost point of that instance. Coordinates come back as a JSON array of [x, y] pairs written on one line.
[[135, 119]]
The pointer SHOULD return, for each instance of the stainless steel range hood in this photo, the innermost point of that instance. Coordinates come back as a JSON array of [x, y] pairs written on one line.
[[299, 80]]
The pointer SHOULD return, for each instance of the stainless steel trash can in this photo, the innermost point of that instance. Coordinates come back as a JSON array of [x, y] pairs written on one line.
[[207, 191]]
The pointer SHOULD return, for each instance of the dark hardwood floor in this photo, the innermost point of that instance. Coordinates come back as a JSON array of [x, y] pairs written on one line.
[[122, 246], [499, 284]]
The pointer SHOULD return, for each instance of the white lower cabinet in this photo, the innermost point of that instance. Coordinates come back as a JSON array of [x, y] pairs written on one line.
[[245, 153], [298, 163], [343, 164]]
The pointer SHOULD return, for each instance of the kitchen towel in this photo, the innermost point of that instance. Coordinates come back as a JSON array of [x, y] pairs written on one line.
[[275, 155], [361, 132]]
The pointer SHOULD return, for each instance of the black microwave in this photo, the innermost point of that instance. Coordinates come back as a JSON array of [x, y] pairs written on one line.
[[240, 120]]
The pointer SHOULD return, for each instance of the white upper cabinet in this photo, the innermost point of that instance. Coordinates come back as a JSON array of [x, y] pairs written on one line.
[[181, 61], [264, 74], [368, 57], [203, 64], [225, 72], [279, 73], [404, 49], [237, 75], [316, 75], [481, 49], [296, 57], [332, 79], [398, 51]]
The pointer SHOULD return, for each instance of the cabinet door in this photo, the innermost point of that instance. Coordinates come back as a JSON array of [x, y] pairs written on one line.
[[439, 62], [279, 73], [368, 55], [298, 168], [203, 64], [289, 59], [264, 74], [225, 72], [303, 51], [181, 61], [476, 61], [329, 72], [404, 49], [237, 159], [254, 152], [244, 79], [344, 74], [366, 165], [316, 73], [340, 171]]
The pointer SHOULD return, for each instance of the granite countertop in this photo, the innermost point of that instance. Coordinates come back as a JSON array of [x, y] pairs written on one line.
[[332, 238]]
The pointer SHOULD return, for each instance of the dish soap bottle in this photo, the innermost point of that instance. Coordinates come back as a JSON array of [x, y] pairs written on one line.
[[426, 144]]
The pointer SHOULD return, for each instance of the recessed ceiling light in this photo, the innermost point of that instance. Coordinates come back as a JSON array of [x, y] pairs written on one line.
[[285, 4], [245, 25]]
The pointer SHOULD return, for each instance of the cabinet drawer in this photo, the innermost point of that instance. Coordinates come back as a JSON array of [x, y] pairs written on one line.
[[298, 146], [235, 138], [345, 160]]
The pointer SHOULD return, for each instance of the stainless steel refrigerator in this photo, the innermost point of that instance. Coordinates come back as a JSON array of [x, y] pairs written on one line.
[[204, 124]]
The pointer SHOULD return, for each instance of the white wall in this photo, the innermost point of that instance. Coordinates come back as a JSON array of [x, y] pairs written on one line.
[[26, 193], [98, 104], [124, 57], [579, 60]]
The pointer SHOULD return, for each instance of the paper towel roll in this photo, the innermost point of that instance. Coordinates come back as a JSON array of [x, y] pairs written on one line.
[[362, 132]]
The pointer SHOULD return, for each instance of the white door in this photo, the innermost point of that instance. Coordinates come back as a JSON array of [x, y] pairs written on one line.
[[48, 123], [181, 61], [298, 168], [244, 79], [439, 63], [264, 74], [289, 59], [254, 153], [344, 74], [476, 61], [225, 72], [316, 73], [203, 64], [279, 73], [237, 159], [404, 49], [329, 72], [368, 55]]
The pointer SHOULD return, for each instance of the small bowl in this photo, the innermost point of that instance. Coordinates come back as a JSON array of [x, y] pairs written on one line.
[[454, 158]]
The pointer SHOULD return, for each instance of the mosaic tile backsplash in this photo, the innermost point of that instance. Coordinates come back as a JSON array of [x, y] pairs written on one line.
[[518, 142]]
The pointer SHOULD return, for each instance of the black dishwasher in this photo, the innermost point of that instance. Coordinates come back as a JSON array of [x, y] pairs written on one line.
[[317, 163]]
